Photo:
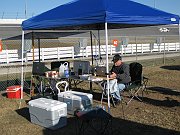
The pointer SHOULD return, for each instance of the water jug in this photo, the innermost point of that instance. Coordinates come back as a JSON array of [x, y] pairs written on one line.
[[62, 68]]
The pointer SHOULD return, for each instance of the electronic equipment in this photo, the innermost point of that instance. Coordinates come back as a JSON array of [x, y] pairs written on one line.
[[100, 71], [39, 68], [56, 64], [81, 67]]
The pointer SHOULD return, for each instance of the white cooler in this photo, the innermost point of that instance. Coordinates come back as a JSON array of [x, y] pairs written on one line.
[[75, 100], [48, 113]]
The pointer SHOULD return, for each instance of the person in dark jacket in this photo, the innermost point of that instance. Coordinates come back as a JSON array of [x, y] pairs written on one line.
[[119, 71]]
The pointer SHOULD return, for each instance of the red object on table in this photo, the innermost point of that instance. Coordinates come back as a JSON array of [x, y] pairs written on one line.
[[14, 91]]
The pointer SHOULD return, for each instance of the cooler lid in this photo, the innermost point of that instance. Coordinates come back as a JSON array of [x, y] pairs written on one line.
[[13, 88], [75, 94], [47, 104]]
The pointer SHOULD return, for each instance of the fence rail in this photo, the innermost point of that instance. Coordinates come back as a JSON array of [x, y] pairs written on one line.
[[13, 56]]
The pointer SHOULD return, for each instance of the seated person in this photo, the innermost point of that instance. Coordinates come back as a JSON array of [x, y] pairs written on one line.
[[119, 71]]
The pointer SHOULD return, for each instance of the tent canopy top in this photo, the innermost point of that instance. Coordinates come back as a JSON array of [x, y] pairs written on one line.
[[92, 14]]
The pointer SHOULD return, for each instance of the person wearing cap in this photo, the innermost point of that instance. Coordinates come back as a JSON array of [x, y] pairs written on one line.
[[120, 72]]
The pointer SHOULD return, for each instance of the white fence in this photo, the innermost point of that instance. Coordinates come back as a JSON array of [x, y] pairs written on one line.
[[11, 56]]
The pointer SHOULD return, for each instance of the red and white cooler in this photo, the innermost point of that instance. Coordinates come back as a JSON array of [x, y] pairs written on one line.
[[14, 91]]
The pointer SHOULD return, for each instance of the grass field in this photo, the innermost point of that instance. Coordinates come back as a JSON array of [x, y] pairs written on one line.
[[158, 114]]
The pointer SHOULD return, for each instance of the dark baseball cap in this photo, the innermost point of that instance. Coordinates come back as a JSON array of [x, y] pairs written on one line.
[[116, 58]]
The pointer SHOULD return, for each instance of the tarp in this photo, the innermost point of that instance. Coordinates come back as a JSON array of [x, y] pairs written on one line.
[[92, 14]]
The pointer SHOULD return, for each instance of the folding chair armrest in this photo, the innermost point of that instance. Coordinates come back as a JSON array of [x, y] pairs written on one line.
[[136, 82], [145, 80]]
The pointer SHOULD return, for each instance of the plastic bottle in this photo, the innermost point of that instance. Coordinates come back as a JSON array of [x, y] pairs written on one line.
[[66, 71], [104, 108], [61, 70], [95, 71]]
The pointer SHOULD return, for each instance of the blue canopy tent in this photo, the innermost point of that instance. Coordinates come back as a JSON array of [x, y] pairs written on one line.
[[92, 14], [98, 15]]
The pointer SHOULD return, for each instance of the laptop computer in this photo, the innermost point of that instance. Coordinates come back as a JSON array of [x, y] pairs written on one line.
[[81, 67], [56, 64], [100, 71], [39, 68]]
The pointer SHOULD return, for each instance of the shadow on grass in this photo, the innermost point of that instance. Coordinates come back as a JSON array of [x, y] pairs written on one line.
[[119, 126], [164, 91], [4, 94], [168, 102], [24, 112], [172, 67]]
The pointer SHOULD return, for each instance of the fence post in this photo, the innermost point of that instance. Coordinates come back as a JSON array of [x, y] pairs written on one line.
[[86, 51], [151, 47], [58, 52], [7, 57], [136, 47], [42, 54], [111, 49], [168, 46], [164, 59], [72, 52], [26, 58], [131, 48], [122, 49], [142, 48]]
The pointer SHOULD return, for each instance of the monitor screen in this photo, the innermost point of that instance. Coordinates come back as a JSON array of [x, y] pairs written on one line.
[[56, 64], [81, 67], [39, 68]]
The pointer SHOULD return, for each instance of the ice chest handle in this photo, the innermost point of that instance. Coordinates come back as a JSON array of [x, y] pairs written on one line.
[[15, 90]]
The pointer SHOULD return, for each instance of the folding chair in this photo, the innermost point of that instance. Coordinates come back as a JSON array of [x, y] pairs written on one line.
[[138, 81]]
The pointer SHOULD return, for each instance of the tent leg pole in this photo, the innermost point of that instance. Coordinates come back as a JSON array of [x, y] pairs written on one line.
[[33, 44], [99, 42], [91, 49], [179, 35], [39, 50], [91, 60], [22, 68], [107, 64]]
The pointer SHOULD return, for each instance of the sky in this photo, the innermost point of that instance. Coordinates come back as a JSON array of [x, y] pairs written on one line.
[[29, 8]]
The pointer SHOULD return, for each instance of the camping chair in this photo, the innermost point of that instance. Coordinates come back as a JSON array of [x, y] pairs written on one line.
[[138, 81]]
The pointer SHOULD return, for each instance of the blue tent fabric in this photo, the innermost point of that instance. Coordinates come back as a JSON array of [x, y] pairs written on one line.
[[92, 14]]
